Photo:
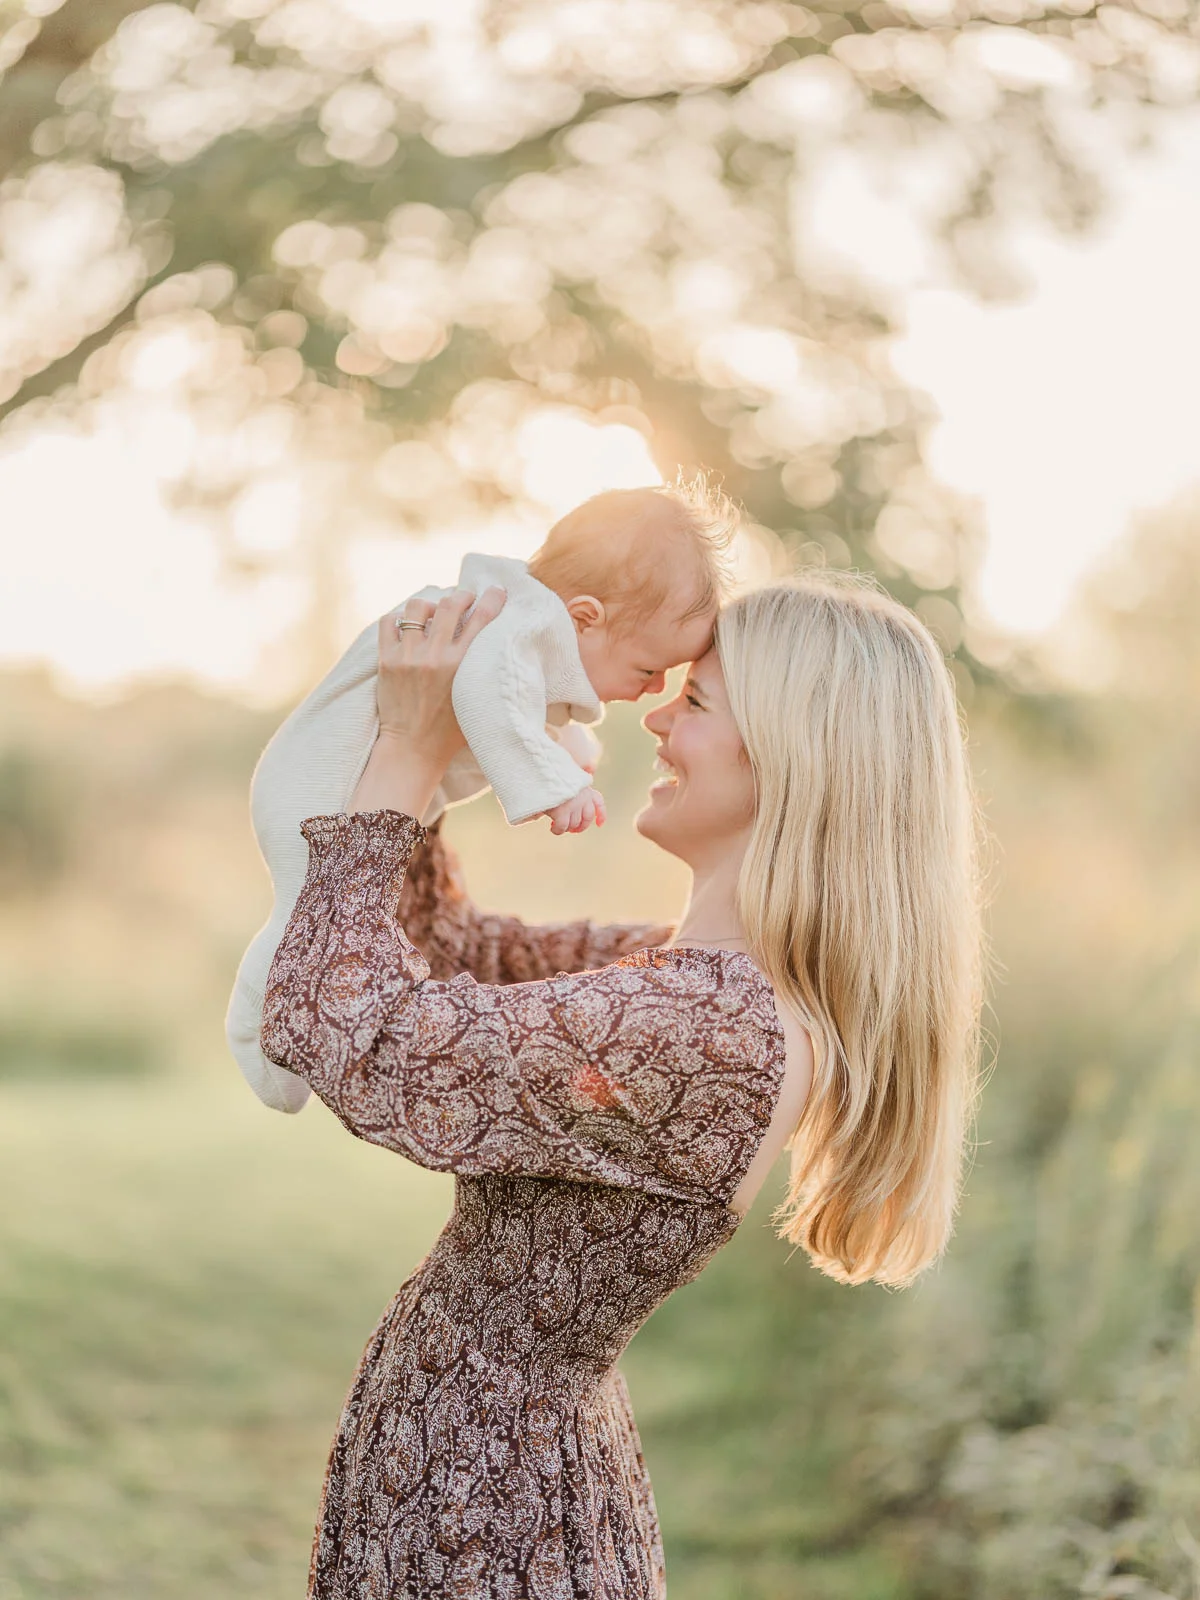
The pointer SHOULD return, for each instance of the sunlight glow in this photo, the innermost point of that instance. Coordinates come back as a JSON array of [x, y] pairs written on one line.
[[1063, 415], [109, 583], [566, 458], [1069, 412]]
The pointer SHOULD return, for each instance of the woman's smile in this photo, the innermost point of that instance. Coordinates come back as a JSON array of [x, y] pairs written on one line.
[[669, 778], [702, 799]]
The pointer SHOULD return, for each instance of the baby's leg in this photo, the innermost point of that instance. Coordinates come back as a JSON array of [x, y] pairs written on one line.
[[309, 768]]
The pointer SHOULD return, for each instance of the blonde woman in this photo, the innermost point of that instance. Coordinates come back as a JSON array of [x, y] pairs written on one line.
[[611, 1099]]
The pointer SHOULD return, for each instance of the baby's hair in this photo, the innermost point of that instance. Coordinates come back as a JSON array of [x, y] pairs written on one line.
[[625, 546]]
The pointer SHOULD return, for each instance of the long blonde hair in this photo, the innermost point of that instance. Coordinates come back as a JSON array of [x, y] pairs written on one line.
[[859, 897]]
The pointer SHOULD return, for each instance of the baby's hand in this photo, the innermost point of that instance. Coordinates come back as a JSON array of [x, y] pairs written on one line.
[[578, 813]]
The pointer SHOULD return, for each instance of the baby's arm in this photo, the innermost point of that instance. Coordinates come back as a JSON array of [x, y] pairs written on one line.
[[578, 813], [580, 743], [500, 702]]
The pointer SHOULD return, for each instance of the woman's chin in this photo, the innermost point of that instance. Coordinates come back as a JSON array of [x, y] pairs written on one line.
[[651, 818]]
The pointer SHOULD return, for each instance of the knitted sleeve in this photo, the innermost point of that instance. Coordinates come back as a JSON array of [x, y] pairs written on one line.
[[500, 696]]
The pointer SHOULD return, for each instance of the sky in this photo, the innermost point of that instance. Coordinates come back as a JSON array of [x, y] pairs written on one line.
[[1063, 414], [1069, 413]]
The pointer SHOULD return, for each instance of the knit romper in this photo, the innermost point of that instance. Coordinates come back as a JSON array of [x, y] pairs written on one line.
[[519, 692]]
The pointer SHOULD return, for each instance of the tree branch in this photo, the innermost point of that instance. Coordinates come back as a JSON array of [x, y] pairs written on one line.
[[66, 41]]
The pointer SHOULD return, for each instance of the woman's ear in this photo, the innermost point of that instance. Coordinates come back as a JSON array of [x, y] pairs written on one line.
[[586, 612]]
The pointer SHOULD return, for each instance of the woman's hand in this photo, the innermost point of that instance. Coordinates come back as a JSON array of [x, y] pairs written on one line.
[[417, 663], [418, 732]]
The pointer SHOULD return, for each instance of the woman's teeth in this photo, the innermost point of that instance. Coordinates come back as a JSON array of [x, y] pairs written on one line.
[[669, 774]]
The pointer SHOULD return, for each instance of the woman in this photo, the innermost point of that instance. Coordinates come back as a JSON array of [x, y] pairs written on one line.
[[611, 1099]]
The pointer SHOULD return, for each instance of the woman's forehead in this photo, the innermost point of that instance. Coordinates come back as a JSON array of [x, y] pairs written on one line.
[[705, 672]]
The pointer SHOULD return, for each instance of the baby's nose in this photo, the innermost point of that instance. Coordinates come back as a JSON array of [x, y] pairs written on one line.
[[656, 684]]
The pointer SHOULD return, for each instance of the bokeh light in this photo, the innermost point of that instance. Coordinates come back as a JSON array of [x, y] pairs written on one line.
[[303, 300]]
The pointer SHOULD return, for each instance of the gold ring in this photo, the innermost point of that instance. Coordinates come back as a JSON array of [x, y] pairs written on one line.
[[405, 622]]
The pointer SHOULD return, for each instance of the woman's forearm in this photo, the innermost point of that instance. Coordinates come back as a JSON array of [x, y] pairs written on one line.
[[398, 777], [419, 654]]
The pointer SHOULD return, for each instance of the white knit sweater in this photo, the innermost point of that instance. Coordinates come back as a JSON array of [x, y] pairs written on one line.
[[520, 682]]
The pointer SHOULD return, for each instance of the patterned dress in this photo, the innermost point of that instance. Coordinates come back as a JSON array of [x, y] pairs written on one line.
[[597, 1123]]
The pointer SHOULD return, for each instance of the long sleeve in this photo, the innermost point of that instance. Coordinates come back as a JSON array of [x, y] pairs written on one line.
[[500, 699], [454, 936], [310, 766], [657, 1073]]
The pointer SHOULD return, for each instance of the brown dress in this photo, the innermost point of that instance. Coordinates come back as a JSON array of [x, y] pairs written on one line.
[[597, 1125]]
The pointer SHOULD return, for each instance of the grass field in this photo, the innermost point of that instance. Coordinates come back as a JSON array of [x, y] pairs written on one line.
[[185, 1283]]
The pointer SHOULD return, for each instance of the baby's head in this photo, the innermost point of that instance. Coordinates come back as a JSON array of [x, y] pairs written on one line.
[[642, 575]]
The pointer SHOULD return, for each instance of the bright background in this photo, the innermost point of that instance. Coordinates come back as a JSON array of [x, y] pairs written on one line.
[[302, 299], [1063, 411]]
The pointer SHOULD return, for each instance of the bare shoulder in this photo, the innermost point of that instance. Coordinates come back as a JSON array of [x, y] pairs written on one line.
[[798, 1067], [789, 1105]]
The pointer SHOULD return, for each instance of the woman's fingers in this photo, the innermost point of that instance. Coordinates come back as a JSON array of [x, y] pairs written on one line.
[[447, 616], [442, 625], [392, 638], [489, 606]]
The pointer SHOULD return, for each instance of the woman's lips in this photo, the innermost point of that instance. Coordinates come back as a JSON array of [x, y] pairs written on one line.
[[669, 778]]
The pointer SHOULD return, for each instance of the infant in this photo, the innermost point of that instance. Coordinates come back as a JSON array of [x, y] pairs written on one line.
[[625, 587]]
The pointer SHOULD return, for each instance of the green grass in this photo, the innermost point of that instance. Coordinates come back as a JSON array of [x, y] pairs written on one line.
[[34, 1046], [186, 1281]]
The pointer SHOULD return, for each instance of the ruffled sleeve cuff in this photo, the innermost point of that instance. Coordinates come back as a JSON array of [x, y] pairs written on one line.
[[363, 854]]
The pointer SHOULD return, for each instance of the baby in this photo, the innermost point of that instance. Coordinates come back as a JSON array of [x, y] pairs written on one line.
[[625, 587]]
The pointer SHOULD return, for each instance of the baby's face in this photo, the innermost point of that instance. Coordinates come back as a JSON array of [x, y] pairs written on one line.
[[626, 665]]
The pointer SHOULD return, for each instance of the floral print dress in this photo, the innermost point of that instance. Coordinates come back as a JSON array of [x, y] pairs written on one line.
[[598, 1100]]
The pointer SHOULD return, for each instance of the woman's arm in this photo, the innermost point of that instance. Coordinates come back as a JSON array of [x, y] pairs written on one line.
[[657, 1074], [399, 776], [418, 735], [454, 935]]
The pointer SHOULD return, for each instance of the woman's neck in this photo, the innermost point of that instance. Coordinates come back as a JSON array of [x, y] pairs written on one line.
[[711, 916]]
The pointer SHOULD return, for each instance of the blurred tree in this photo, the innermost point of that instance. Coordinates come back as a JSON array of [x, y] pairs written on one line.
[[34, 821], [1045, 1421], [385, 237]]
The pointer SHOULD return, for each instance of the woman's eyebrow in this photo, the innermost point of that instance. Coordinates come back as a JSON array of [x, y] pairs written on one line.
[[693, 685]]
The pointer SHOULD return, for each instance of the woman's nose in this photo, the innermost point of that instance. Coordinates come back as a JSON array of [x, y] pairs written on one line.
[[658, 720]]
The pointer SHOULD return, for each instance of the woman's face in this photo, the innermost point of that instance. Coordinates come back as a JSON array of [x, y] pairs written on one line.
[[703, 804]]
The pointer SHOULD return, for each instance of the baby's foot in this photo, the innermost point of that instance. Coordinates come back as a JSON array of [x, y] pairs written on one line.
[[578, 813]]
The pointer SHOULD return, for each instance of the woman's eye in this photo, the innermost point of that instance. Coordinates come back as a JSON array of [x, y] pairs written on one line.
[[692, 701]]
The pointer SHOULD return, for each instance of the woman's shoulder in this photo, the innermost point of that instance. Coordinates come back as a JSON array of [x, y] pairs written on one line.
[[702, 967], [717, 1000], [695, 1049]]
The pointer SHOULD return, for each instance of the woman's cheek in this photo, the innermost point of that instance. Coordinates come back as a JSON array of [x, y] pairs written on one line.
[[737, 783]]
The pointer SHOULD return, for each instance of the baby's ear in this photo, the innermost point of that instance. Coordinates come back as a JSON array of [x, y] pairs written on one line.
[[587, 612]]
